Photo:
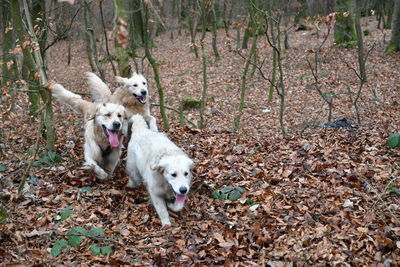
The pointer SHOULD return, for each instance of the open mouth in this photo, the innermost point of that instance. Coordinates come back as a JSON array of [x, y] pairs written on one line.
[[112, 136], [141, 98], [180, 198]]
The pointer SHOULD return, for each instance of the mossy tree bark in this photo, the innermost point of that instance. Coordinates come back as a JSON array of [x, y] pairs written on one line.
[[153, 63], [345, 34], [214, 31], [35, 67], [394, 44], [203, 11]]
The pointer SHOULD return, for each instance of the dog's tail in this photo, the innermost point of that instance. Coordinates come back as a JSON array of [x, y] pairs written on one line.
[[138, 122], [99, 90], [67, 97]]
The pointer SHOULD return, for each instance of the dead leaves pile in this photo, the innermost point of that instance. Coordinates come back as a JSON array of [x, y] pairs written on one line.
[[313, 199]]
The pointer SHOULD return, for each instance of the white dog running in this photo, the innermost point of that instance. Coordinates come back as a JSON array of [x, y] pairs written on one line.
[[161, 165], [132, 94], [104, 128]]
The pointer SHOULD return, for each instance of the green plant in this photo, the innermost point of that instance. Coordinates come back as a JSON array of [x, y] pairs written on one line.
[[229, 193], [76, 235], [190, 103], [48, 159], [393, 190], [3, 216], [393, 140], [367, 32]]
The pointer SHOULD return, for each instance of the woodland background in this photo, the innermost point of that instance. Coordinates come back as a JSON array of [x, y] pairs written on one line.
[[290, 110]]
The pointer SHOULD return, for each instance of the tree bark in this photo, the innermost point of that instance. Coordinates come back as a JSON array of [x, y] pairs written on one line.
[[34, 64], [153, 63], [243, 86], [214, 31], [345, 34], [91, 46], [394, 44], [202, 123], [121, 40]]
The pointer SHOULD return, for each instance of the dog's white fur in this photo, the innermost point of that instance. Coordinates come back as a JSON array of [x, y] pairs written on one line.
[[132, 94], [101, 121], [161, 165]]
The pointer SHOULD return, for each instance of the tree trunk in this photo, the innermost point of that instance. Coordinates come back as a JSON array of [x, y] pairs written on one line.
[[243, 86], [214, 31], [34, 64], [394, 44], [9, 68], [202, 123], [345, 34], [153, 63], [121, 40], [91, 46], [192, 24], [227, 22]]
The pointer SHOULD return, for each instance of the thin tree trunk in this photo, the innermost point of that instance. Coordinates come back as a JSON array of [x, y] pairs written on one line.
[[394, 44], [36, 69], [193, 27], [214, 31], [153, 63], [9, 68], [243, 86], [204, 63], [121, 40], [106, 38], [91, 46]]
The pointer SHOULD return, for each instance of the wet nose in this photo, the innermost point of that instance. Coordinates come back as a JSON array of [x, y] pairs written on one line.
[[144, 92], [116, 125], [183, 190]]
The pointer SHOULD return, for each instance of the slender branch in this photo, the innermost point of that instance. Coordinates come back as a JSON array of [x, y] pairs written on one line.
[[106, 38], [29, 166], [60, 36]]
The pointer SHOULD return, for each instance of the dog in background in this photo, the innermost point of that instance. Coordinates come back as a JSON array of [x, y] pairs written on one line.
[[105, 125], [132, 94], [162, 166]]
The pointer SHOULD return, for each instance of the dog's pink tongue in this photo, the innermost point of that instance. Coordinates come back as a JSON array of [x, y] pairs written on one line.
[[113, 138], [180, 198]]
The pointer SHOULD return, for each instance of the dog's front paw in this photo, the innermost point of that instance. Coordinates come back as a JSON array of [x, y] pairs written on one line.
[[165, 222], [101, 174]]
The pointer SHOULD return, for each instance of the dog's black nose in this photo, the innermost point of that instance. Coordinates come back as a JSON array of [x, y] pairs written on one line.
[[116, 125], [183, 190], [144, 92]]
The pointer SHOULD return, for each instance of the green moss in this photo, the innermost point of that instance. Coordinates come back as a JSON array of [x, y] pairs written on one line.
[[391, 48], [190, 103]]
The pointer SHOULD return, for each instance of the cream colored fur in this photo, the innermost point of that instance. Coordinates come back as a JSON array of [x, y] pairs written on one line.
[[100, 118], [127, 94], [162, 166]]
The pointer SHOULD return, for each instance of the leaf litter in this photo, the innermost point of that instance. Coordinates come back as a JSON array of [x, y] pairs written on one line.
[[319, 196]]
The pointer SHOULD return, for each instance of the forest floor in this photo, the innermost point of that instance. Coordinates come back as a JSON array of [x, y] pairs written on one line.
[[319, 196]]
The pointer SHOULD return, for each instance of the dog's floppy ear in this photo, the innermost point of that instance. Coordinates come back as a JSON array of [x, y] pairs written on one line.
[[121, 80], [159, 164], [190, 164]]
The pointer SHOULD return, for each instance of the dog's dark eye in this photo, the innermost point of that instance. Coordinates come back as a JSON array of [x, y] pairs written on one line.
[[186, 173], [119, 115], [107, 115], [135, 85], [174, 174], [144, 83]]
